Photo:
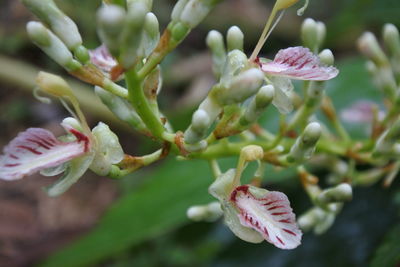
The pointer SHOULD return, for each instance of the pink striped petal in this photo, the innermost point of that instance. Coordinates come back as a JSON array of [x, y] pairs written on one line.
[[270, 215], [37, 149], [300, 64]]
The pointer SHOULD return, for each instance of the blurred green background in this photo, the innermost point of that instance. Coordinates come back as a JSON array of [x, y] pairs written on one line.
[[140, 220]]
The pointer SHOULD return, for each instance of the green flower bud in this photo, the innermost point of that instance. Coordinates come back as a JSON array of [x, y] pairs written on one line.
[[208, 213], [326, 57], [48, 12], [51, 45], [215, 42], [257, 105], [340, 193], [235, 38], [151, 35], [369, 46], [110, 20], [305, 144]]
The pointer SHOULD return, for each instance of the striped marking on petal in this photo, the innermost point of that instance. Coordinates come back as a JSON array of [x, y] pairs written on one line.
[[270, 215], [37, 149], [300, 64]]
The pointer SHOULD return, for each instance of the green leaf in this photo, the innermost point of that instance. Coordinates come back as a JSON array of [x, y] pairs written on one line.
[[156, 207], [388, 253]]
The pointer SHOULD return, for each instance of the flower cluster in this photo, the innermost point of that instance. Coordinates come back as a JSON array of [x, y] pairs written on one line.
[[126, 74]]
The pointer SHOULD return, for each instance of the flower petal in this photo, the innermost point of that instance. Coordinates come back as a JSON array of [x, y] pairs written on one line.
[[269, 214], [76, 168], [102, 58], [299, 63], [37, 149]]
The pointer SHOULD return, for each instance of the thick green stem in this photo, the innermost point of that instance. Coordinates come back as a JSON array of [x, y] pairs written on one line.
[[139, 102]]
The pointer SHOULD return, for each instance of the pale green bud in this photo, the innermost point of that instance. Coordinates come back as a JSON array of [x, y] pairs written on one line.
[[240, 88], [177, 10], [53, 85], [215, 42], [305, 144], [369, 46], [195, 11], [110, 20], [200, 120], [131, 4], [151, 35], [235, 62], [313, 34], [257, 105], [235, 38], [252, 153], [392, 39], [61, 24], [131, 35], [326, 57], [340, 193], [208, 213], [51, 45], [121, 108]]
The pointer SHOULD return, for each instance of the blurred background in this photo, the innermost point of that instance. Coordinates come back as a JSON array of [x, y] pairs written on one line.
[[140, 220]]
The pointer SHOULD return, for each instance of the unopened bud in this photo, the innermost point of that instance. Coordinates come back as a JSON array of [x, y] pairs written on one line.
[[313, 34], [261, 100], [131, 34], [53, 85], [369, 46], [252, 153], [48, 12], [235, 38], [151, 35], [215, 42], [200, 120], [131, 4], [340, 193], [110, 20], [305, 144], [326, 57], [392, 39], [195, 11], [240, 88], [51, 45], [208, 213]]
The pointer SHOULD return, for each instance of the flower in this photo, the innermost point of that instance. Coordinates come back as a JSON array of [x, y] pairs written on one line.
[[38, 149], [297, 63], [255, 214]]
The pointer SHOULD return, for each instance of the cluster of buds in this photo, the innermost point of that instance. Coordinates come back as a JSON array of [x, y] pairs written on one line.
[[132, 50]]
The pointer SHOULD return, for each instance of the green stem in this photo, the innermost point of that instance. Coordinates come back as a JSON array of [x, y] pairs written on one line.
[[215, 168], [139, 102]]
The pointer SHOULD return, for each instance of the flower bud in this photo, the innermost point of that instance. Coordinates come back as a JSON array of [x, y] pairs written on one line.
[[392, 39], [131, 35], [61, 24], [313, 34], [200, 120], [151, 35], [326, 57], [195, 11], [209, 213], [240, 88], [235, 38], [340, 193], [369, 46], [53, 85], [121, 108], [110, 20], [305, 144], [131, 4], [215, 42], [252, 153], [51, 45], [257, 105]]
